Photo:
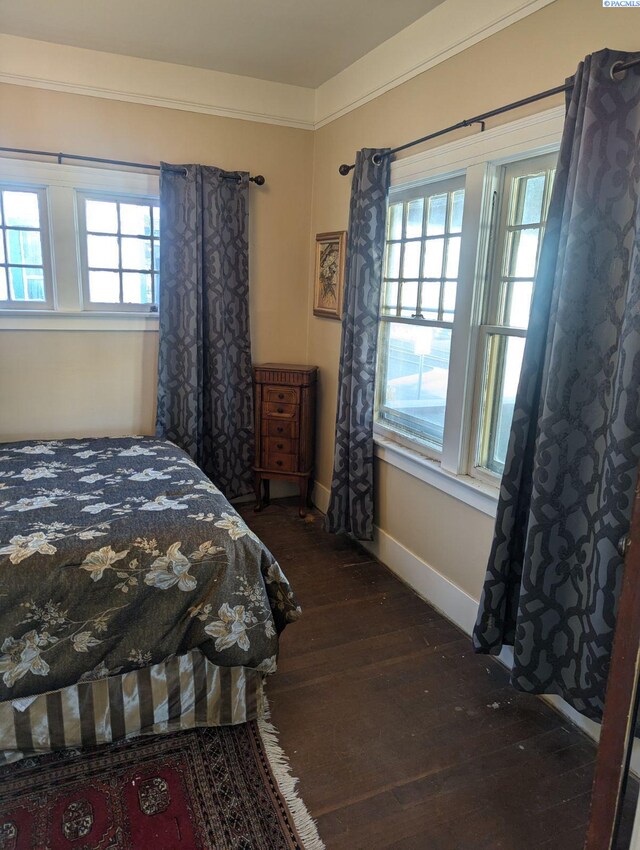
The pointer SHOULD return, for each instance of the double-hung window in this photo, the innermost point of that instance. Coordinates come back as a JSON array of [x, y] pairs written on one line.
[[526, 190], [418, 307], [25, 272], [461, 257], [76, 242]]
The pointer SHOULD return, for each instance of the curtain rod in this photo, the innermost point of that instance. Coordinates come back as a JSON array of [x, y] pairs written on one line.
[[59, 156], [616, 68]]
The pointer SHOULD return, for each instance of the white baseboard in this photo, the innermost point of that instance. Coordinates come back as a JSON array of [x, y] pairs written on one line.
[[320, 497], [456, 605]]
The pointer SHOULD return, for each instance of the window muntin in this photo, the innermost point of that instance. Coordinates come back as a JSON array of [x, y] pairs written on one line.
[[422, 256], [120, 251], [24, 271], [524, 204]]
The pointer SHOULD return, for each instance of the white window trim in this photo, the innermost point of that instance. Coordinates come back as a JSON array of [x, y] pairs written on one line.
[[63, 184], [479, 157]]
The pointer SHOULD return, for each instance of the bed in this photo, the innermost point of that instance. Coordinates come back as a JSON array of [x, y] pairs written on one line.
[[134, 599]]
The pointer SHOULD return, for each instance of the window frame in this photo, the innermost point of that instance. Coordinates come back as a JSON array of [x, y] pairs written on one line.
[[480, 158], [68, 309], [45, 244], [110, 306]]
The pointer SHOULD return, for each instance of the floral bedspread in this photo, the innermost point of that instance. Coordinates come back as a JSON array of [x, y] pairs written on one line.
[[118, 553]]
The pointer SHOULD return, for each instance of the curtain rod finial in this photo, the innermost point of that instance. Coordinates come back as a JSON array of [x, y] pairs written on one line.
[[344, 169], [258, 180]]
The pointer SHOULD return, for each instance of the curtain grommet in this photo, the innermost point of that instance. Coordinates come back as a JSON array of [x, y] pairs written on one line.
[[614, 70]]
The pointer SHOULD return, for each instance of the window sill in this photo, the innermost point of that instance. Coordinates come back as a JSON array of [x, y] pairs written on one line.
[[67, 320], [464, 488]]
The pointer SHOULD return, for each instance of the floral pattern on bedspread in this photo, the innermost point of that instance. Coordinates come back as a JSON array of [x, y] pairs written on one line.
[[117, 553]]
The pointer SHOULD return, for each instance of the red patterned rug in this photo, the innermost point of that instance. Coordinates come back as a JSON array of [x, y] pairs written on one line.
[[207, 789]]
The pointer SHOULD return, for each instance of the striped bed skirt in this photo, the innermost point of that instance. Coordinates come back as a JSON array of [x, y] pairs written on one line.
[[180, 693]]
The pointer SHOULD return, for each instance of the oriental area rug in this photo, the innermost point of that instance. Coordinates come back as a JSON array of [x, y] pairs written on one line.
[[227, 788]]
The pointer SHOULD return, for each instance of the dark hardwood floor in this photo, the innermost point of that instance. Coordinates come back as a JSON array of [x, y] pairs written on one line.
[[401, 736]]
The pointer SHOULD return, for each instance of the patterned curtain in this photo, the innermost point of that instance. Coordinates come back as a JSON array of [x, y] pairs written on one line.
[[351, 503], [555, 567], [205, 395]]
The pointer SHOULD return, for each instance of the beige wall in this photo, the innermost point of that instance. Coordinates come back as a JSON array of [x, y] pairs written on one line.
[[532, 55], [57, 383]]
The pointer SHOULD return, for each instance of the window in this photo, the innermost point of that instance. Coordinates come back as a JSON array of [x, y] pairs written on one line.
[[524, 205], [120, 251], [79, 245], [464, 231], [24, 278], [418, 306]]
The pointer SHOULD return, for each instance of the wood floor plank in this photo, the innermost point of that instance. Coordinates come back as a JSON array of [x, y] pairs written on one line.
[[402, 737]]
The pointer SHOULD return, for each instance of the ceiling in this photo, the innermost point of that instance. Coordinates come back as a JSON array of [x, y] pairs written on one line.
[[301, 42]]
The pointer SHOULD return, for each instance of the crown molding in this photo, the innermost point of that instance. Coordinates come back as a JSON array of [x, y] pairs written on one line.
[[59, 67], [448, 29]]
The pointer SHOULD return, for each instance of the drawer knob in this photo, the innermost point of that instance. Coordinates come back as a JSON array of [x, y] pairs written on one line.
[[280, 395], [280, 410], [279, 446], [278, 463], [280, 429]]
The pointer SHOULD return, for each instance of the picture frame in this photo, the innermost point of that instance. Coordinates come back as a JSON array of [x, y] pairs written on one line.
[[328, 289]]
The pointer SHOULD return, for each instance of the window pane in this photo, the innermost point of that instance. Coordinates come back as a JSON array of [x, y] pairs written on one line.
[[393, 260], [437, 215], [416, 371], [102, 216], [136, 253], [156, 255], [1, 248], [502, 373], [517, 304], [24, 247], [390, 299], [531, 194], [524, 252], [135, 218], [137, 288], [415, 210], [430, 302], [26, 284], [156, 221], [395, 221], [104, 287], [453, 257], [103, 252], [457, 204], [4, 293], [433, 255], [449, 300], [411, 260], [409, 296], [21, 209]]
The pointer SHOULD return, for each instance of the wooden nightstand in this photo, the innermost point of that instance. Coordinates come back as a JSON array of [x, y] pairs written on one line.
[[285, 407]]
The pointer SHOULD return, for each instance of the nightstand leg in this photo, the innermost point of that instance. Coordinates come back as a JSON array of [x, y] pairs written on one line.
[[304, 487], [267, 492], [257, 486]]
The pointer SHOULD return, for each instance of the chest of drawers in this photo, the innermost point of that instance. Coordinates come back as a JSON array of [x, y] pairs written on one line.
[[285, 402]]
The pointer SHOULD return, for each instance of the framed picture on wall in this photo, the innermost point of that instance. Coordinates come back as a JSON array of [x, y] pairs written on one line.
[[329, 274]]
